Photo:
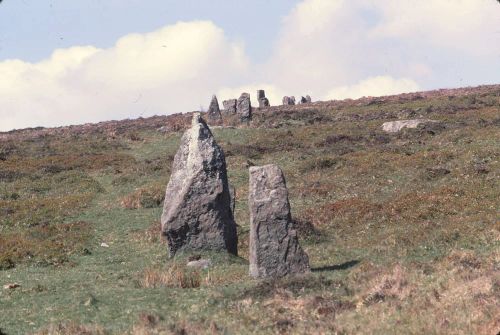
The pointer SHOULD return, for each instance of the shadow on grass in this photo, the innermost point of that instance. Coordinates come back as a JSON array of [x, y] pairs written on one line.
[[342, 266]]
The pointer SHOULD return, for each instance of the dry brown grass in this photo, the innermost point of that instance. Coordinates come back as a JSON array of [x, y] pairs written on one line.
[[175, 276], [144, 197]]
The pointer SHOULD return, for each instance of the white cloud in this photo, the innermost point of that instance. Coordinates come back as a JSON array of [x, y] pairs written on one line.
[[174, 69], [332, 43], [376, 86]]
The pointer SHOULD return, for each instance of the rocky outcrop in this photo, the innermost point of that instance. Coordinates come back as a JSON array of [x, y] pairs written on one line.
[[230, 106], [244, 107], [274, 246], [197, 209], [288, 101], [395, 126], [214, 110]]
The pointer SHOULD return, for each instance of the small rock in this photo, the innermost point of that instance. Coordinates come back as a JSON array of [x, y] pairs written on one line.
[[104, 245], [11, 286], [200, 264], [395, 126]]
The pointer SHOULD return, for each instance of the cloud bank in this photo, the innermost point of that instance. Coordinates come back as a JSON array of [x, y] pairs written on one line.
[[330, 49]]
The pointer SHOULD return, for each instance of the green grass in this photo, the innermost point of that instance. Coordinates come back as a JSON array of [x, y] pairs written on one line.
[[396, 244]]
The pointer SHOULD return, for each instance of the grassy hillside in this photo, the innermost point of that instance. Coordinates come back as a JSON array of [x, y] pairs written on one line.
[[402, 230]]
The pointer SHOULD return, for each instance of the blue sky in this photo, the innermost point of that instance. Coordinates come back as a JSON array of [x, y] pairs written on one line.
[[67, 62], [32, 29]]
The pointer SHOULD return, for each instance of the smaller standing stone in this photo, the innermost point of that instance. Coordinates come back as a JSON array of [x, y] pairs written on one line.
[[244, 107], [274, 246], [308, 99], [214, 110], [302, 100]]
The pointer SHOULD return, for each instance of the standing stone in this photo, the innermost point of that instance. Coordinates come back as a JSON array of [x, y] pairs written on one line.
[[302, 100], [261, 94], [308, 99], [288, 101], [197, 212], [230, 106], [274, 246], [214, 110], [244, 107], [261, 98]]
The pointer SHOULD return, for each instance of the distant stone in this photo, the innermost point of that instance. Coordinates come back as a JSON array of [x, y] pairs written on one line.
[[302, 100], [395, 126], [230, 106], [261, 94], [214, 110], [261, 98], [274, 247], [197, 208], [200, 264], [244, 107], [308, 99], [288, 101]]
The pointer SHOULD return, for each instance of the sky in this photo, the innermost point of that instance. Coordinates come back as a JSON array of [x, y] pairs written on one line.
[[71, 62]]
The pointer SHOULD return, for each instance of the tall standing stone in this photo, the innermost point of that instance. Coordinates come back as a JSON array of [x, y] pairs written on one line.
[[196, 212], [274, 246], [244, 107], [214, 110], [230, 106]]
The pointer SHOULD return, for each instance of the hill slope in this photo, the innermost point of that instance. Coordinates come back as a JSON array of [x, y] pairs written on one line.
[[402, 230]]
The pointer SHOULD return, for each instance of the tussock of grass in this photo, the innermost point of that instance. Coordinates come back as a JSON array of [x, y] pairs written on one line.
[[145, 197]]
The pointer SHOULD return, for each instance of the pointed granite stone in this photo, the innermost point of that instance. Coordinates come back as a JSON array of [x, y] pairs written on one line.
[[197, 211], [214, 110], [274, 247]]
